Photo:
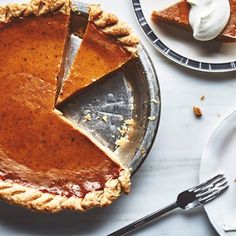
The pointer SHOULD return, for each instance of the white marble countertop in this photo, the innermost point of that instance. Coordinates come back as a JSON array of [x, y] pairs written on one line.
[[172, 165]]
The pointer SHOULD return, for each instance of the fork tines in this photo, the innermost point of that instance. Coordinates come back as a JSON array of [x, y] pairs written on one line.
[[210, 189]]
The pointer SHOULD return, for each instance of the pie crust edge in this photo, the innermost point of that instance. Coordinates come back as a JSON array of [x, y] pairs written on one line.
[[113, 27], [34, 199], [34, 7]]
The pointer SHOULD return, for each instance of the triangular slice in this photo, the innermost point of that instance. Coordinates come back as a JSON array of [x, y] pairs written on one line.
[[178, 15], [46, 163], [107, 45]]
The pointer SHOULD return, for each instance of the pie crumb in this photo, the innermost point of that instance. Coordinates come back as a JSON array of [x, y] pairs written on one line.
[[151, 118], [143, 152], [121, 141], [105, 118], [197, 111], [129, 122], [124, 128], [202, 98], [154, 101], [88, 117]]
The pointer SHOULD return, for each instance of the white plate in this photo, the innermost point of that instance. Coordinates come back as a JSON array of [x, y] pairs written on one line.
[[220, 156], [179, 45]]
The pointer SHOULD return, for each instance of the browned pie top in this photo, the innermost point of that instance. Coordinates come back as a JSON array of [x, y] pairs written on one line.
[[178, 14], [38, 147]]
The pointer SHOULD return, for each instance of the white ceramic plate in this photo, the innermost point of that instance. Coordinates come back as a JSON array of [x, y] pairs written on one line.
[[220, 156], [179, 45]]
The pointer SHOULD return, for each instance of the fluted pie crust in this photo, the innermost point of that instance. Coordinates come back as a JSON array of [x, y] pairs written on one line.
[[34, 199], [28, 192]]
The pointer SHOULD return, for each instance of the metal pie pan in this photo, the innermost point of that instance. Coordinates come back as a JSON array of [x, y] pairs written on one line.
[[107, 107]]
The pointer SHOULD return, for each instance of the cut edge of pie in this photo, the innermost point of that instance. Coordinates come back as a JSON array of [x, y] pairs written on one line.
[[33, 198], [113, 41]]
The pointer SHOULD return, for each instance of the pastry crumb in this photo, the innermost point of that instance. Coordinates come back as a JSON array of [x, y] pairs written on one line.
[[88, 117], [197, 111], [151, 118], [121, 141], [202, 98], [105, 118], [143, 152], [155, 101], [129, 122], [124, 128]]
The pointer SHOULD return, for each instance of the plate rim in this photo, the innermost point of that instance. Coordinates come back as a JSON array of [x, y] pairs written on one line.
[[201, 177], [174, 56]]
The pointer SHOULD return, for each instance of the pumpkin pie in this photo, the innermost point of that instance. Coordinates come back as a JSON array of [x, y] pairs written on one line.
[[178, 15], [46, 163]]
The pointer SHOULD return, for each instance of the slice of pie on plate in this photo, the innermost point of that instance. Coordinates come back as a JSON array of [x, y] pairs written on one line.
[[178, 15], [46, 163]]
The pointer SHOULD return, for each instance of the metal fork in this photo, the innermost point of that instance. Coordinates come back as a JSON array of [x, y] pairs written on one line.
[[186, 200]]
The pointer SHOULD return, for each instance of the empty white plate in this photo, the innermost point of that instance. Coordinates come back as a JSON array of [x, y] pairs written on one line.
[[219, 156]]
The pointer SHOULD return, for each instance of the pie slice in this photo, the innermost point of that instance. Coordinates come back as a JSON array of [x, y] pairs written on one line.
[[178, 15], [46, 163], [107, 45]]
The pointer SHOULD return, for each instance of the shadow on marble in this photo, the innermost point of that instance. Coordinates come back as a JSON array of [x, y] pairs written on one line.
[[191, 215], [22, 221]]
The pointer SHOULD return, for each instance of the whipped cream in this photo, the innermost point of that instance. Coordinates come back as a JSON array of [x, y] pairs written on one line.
[[208, 18]]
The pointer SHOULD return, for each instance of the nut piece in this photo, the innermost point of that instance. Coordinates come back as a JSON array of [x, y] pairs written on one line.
[[197, 111]]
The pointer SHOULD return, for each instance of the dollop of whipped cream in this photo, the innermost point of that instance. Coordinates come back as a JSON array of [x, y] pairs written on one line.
[[208, 18]]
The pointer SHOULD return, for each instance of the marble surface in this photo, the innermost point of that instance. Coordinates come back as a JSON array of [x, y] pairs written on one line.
[[172, 165]]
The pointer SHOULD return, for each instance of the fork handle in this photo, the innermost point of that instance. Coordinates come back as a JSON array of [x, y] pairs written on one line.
[[145, 220]]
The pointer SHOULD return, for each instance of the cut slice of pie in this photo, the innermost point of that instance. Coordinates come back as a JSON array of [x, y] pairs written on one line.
[[46, 163], [107, 45], [178, 15]]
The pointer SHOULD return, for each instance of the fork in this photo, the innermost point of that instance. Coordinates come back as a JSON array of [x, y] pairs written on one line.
[[186, 200]]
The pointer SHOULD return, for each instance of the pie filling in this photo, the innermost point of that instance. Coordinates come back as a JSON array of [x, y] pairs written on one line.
[[98, 52], [38, 148]]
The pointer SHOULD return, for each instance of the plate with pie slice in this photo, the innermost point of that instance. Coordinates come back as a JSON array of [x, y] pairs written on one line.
[[80, 105], [219, 157], [167, 26]]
